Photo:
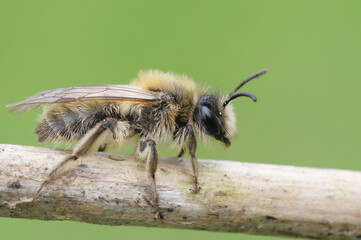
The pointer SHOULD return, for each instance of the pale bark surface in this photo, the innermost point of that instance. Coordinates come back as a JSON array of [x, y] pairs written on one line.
[[234, 196]]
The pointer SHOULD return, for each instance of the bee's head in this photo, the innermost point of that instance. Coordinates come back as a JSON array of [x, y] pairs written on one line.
[[215, 117]]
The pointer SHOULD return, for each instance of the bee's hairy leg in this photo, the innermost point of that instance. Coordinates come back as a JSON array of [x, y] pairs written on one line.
[[192, 147], [57, 171], [147, 148], [88, 144]]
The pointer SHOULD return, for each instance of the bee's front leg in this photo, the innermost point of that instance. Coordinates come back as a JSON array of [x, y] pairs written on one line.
[[147, 150], [192, 147]]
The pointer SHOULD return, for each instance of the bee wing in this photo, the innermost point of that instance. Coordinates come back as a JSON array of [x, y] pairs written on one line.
[[84, 93]]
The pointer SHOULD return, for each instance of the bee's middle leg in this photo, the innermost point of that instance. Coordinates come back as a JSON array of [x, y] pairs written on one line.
[[88, 144], [147, 149], [192, 146]]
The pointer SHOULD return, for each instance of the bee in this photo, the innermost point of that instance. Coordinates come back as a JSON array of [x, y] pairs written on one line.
[[155, 107]]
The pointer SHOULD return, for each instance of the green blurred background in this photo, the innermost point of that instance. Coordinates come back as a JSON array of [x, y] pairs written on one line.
[[308, 113]]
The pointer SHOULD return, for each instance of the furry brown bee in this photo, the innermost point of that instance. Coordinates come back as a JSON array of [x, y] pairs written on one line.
[[154, 107]]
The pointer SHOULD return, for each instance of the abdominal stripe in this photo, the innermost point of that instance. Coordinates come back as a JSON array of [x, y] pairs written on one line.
[[68, 125]]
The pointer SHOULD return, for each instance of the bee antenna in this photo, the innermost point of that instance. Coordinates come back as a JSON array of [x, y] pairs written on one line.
[[234, 95], [249, 79], [241, 94]]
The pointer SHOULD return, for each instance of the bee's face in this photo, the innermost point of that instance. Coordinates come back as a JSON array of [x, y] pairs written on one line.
[[211, 120], [215, 117]]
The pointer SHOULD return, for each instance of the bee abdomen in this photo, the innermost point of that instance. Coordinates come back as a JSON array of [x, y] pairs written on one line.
[[57, 129], [43, 131], [69, 123]]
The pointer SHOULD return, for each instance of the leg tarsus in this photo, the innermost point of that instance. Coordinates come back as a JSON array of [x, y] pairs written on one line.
[[150, 204], [37, 195], [55, 173]]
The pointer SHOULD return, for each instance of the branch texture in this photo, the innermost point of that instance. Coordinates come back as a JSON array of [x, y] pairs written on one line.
[[234, 196]]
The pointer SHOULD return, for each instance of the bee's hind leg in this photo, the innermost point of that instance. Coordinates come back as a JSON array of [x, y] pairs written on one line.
[[147, 149], [88, 144], [192, 146]]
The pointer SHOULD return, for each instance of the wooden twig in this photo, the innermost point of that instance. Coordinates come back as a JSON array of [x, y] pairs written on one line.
[[234, 196]]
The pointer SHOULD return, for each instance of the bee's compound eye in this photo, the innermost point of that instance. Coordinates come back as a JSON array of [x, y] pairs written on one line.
[[205, 112], [210, 121]]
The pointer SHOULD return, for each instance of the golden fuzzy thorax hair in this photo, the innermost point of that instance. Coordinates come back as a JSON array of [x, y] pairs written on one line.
[[190, 92], [155, 79]]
